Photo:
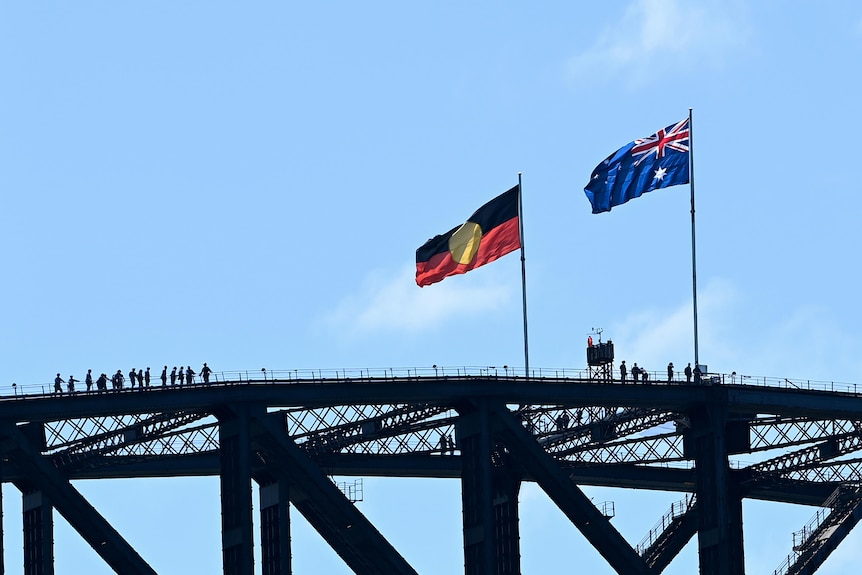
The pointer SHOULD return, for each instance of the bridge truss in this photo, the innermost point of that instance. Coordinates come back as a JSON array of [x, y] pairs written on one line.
[[492, 432]]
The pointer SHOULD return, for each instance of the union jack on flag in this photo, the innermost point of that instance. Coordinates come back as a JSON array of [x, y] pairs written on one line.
[[674, 137], [647, 164]]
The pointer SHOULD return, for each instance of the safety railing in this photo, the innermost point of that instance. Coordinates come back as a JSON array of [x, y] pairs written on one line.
[[803, 538], [677, 509], [376, 375]]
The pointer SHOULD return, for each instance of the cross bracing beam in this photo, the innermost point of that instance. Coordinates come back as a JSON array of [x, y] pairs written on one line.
[[103, 538], [78, 434], [417, 435], [842, 471], [416, 432], [155, 435], [589, 425], [661, 448], [326, 508], [569, 498], [404, 429], [203, 438], [355, 423], [808, 457], [769, 432]]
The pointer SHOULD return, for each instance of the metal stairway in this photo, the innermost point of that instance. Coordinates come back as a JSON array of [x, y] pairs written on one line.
[[823, 532]]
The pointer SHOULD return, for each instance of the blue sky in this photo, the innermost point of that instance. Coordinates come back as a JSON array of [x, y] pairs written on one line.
[[247, 185]]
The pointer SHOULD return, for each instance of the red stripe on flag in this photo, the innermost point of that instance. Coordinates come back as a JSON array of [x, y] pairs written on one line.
[[498, 242]]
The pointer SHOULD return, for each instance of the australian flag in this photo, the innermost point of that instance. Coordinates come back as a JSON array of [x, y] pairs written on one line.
[[642, 166]]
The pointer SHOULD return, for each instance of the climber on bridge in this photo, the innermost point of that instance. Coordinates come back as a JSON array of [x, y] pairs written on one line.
[[58, 384], [205, 373]]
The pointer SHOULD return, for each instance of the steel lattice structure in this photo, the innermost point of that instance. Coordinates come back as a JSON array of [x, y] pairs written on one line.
[[492, 431]]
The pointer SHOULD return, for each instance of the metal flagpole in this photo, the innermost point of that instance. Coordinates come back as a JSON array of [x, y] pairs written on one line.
[[523, 276], [693, 256]]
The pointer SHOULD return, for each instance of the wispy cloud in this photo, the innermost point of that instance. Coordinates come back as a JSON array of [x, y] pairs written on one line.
[[393, 303], [654, 336], [735, 334], [654, 38]]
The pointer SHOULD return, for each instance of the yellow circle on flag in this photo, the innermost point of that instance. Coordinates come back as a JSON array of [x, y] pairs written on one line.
[[464, 243]]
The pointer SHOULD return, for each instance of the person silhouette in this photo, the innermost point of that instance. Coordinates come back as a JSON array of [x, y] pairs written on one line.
[[205, 373]]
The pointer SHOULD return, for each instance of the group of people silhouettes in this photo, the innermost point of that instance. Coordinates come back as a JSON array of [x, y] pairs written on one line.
[[445, 444], [141, 378], [639, 373]]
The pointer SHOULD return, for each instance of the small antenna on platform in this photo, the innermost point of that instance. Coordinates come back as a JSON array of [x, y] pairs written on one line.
[[597, 331]]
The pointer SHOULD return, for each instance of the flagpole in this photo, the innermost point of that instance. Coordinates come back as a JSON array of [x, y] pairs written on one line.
[[523, 276], [693, 256]]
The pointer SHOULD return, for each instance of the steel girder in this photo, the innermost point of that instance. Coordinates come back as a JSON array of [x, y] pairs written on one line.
[[103, 538], [558, 485], [326, 508], [614, 446], [719, 499]]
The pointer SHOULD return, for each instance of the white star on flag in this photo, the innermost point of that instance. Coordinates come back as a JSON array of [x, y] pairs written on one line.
[[659, 174]]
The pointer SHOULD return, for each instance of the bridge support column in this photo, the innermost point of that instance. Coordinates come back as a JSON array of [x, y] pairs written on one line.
[[38, 534], [720, 541], [275, 528], [236, 508], [489, 497], [2, 544], [507, 536]]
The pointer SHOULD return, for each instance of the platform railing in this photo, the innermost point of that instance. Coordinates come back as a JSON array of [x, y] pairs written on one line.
[[380, 374], [802, 537], [677, 509]]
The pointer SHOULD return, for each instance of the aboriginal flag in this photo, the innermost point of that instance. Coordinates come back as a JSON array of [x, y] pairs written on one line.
[[490, 233]]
